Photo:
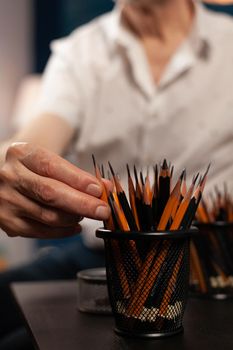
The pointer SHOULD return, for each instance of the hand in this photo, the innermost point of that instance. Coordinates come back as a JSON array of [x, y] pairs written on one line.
[[44, 196]]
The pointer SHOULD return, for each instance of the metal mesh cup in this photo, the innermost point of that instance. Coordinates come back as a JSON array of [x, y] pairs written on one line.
[[148, 280], [212, 261]]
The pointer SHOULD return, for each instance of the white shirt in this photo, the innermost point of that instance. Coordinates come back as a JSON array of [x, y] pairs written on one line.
[[98, 80]]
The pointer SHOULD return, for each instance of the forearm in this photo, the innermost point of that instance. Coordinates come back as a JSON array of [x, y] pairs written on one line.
[[38, 132]]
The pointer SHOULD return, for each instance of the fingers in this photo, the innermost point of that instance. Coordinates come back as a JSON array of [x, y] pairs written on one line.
[[61, 184], [42, 195], [50, 165], [26, 208], [29, 219], [32, 229], [53, 193]]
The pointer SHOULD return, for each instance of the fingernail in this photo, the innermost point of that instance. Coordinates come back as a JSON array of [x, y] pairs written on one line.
[[102, 213], [94, 190]]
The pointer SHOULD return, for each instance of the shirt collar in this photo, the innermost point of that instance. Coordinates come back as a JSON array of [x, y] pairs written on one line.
[[117, 33], [199, 38], [193, 47]]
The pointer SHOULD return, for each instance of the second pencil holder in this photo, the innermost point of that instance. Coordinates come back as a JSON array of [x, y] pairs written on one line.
[[212, 261], [148, 280]]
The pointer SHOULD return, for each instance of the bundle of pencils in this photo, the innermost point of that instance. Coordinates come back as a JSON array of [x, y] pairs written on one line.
[[145, 295], [218, 206], [212, 251], [156, 207]]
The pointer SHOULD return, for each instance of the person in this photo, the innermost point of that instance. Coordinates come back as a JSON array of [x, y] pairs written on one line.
[[152, 79]]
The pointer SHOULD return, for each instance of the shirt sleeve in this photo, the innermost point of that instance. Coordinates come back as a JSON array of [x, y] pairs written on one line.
[[61, 91]]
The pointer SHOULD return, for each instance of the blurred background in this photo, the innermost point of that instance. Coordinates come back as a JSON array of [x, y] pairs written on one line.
[[26, 29]]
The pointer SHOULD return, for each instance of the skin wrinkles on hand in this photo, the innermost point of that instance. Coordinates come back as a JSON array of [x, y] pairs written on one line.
[[43, 199]]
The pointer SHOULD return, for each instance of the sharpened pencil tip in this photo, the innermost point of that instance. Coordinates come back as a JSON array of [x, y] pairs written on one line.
[[172, 170], [102, 171], [183, 175], [128, 170], [195, 178], [111, 169], [207, 170], [164, 165], [141, 178], [93, 159], [205, 175], [156, 171], [135, 174]]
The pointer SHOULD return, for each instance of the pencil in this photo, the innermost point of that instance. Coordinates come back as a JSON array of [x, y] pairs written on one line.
[[164, 188], [124, 202], [109, 223]]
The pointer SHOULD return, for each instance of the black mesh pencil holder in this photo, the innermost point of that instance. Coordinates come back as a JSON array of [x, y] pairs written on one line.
[[212, 261], [148, 281]]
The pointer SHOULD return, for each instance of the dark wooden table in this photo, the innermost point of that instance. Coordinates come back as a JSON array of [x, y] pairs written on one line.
[[50, 312]]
